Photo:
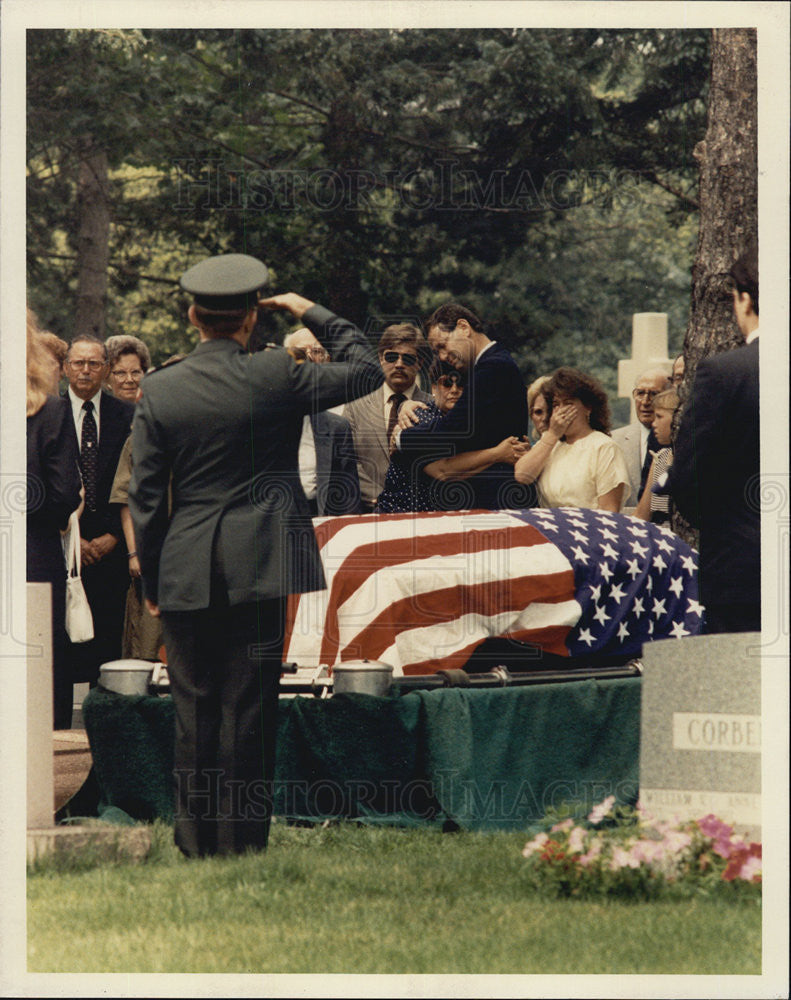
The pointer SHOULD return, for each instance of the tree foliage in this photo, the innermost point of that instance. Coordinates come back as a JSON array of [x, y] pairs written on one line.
[[545, 178]]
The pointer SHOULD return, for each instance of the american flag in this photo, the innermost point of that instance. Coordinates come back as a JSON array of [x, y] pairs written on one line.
[[422, 591]]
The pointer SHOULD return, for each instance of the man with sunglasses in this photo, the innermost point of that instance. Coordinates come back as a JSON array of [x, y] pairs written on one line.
[[373, 417], [102, 423]]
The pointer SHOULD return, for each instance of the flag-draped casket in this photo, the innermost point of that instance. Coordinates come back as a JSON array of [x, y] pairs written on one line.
[[422, 591]]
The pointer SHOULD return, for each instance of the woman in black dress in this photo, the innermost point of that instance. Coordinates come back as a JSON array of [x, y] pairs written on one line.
[[53, 492]]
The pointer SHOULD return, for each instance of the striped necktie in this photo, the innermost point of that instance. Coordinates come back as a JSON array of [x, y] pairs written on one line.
[[395, 405]]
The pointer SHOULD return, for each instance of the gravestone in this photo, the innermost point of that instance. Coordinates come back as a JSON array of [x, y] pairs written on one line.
[[40, 775], [700, 729]]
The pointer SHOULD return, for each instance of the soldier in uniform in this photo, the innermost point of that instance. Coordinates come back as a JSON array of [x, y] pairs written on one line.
[[224, 425]]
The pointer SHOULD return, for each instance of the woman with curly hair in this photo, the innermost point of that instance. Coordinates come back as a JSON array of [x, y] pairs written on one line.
[[575, 462]]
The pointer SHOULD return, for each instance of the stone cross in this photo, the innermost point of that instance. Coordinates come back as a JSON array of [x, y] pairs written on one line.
[[649, 350]]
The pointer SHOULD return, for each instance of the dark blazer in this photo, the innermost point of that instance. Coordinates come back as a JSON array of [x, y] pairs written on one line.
[[369, 430], [714, 478], [337, 482], [492, 407], [53, 487], [53, 492], [226, 424]]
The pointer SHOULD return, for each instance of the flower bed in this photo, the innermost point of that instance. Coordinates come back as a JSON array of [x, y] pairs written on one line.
[[624, 851]]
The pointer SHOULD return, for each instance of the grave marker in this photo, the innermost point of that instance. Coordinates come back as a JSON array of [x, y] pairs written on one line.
[[700, 730]]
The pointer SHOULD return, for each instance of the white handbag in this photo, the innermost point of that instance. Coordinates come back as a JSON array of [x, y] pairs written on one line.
[[79, 620]]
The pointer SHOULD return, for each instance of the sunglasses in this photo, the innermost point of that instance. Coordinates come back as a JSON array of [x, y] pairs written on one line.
[[410, 360], [448, 381]]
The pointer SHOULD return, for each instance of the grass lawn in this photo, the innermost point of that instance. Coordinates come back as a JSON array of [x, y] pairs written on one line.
[[354, 899]]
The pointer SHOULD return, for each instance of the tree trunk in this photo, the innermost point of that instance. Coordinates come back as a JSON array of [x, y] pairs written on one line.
[[728, 157], [92, 240]]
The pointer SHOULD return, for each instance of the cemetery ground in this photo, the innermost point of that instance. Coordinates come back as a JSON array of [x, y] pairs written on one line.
[[346, 898]]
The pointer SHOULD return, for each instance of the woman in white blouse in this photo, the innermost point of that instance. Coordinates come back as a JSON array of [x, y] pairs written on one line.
[[575, 461]]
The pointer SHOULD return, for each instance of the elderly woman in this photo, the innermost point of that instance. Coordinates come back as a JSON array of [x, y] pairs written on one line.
[[129, 360], [412, 488], [537, 405], [575, 462]]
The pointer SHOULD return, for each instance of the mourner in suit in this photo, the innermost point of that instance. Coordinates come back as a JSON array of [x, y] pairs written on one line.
[[102, 423], [53, 492], [492, 408], [637, 440], [714, 478], [225, 425], [373, 418], [327, 460]]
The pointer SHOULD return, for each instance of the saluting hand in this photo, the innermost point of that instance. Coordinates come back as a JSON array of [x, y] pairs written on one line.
[[297, 305]]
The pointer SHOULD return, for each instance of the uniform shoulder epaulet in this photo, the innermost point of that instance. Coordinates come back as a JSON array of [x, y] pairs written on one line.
[[166, 364]]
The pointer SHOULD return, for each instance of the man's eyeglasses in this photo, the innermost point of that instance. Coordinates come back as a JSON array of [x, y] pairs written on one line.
[[93, 365], [135, 375], [649, 394], [410, 360]]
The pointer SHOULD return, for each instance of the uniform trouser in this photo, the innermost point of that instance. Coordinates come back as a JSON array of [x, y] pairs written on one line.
[[224, 666]]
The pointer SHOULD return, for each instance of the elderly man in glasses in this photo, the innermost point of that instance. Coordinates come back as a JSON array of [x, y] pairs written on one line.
[[103, 424], [373, 417], [637, 440]]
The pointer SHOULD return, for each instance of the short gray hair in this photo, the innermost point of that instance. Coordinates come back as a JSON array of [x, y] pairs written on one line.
[[123, 343]]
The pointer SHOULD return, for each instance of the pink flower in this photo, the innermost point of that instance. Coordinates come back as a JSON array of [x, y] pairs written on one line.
[[745, 863], [676, 841], [593, 852], [535, 844], [565, 824], [723, 847], [751, 869], [648, 851], [712, 826], [623, 859], [598, 812], [576, 840]]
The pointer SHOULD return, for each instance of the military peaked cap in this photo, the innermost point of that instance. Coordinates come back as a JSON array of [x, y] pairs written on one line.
[[226, 283]]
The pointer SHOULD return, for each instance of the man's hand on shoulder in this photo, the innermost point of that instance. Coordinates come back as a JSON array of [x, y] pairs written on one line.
[[407, 413], [297, 305]]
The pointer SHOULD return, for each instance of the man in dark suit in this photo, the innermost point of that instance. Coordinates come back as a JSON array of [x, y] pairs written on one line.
[[714, 478], [102, 423], [327, 460], [492, 407], [224, 425], [373, 418]]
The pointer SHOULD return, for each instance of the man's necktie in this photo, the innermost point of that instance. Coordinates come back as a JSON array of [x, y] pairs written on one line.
[[395, 405], [89, 454], [651, 445]]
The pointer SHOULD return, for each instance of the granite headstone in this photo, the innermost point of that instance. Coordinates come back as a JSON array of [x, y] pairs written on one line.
[[700, 729]]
